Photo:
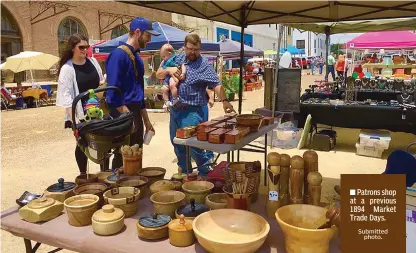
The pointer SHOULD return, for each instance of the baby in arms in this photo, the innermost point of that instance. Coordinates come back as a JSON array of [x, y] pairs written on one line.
[[168, 55]]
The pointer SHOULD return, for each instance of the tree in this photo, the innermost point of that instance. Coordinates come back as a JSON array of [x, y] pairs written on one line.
[[336, 48]]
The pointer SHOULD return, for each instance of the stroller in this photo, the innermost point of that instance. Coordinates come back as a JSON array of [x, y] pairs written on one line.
[[98, 136]]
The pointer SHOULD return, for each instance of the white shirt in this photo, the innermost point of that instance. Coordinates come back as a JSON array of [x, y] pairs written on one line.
[[68, 88]]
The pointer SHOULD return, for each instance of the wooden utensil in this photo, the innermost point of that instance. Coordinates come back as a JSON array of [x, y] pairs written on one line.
[[273, 201], [41, 209], [296, 179], [108, 221], [310, 159], [314, 181], [181, 233], [153, 227], [284, 179]]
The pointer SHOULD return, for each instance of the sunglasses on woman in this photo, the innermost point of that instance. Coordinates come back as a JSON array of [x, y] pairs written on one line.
[[84, 47]]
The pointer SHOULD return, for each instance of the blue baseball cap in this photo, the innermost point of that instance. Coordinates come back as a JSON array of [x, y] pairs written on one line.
[[143, 25]]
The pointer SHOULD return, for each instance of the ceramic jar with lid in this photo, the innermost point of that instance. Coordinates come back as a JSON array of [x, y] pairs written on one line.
[[181, 233], [153, 227], [61, 190], [42, 209], [108, 221], [192, 210]]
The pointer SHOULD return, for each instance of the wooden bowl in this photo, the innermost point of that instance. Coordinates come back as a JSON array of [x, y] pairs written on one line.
[[92, 188], [82, 179], [177, 184], [138, 182], [299, 223], [125, 198], [253, 121], [197, 190], [216, 201], [161, 185], [153, 174], [214, 229], [80, 209], [102, 176], [166, 202]]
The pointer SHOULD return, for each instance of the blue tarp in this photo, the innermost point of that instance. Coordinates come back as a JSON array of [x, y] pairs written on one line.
[[168, 34], [292, 50]]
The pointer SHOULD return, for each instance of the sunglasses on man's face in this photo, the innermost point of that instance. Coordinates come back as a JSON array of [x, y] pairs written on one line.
[[84, 47]]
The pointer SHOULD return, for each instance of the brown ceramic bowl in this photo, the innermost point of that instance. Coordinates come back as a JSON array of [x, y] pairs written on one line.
[[82, 179], [153, 174], [138, 182]]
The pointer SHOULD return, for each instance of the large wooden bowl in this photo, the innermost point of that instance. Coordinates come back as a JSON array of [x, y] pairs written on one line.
[[138, 182], [93, 188], [80, 209], [153, 174], [299, 223], [230, 231], [253, 121], [166, 202], [197, 190]]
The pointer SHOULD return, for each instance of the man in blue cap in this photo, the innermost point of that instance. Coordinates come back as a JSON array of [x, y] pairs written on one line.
[[125, 70]]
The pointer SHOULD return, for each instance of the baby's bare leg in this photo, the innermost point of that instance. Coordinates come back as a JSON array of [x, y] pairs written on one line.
[[165, 93], [173, 86]]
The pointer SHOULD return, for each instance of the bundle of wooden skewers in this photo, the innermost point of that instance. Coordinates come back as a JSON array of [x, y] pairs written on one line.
[[241, 178]]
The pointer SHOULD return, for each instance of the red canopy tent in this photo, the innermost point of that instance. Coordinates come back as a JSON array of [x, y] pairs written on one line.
[[391, 39]]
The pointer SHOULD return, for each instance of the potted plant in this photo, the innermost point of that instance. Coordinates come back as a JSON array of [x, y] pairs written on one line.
[[231, 85]]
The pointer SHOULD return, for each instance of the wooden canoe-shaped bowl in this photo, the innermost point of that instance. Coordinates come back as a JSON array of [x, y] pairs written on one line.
[[153, 174], [197, 190], [253, 121], [166, 202], [216, 201], [214, 229], [125, 198], [299, 223], [80, 209], [138, 182], [92, 188]]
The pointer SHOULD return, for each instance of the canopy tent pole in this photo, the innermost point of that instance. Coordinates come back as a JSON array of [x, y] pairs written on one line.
[[327, 34], [240, 87], [276, 83]]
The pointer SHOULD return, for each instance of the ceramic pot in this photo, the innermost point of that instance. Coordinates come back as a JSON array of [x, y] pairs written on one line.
[[153, 174], [166, 202], [138, 182], [86, 178], [161, 185], [299, 223], [153, 227], [181, 233], [216, 201], [42, 209], [247, 230], [92, 188], [108, 221], [197, 190], [125, 198], [80, 209]]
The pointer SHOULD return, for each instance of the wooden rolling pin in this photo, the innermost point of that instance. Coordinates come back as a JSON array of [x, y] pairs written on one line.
[[273, 202], [296, 180], [311, 164], [314, 181], [284, 180]]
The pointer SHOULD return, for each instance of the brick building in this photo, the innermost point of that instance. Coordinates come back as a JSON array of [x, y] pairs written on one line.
[[45, 26]]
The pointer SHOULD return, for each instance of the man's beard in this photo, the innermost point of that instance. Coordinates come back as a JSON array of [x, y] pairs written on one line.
[[142, 43]]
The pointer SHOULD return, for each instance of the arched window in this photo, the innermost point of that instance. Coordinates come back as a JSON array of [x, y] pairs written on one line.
[[68, 27], [11, 39], [118, 31]]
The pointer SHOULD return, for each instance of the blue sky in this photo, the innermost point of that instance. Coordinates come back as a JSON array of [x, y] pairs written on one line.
[[343, 37]]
